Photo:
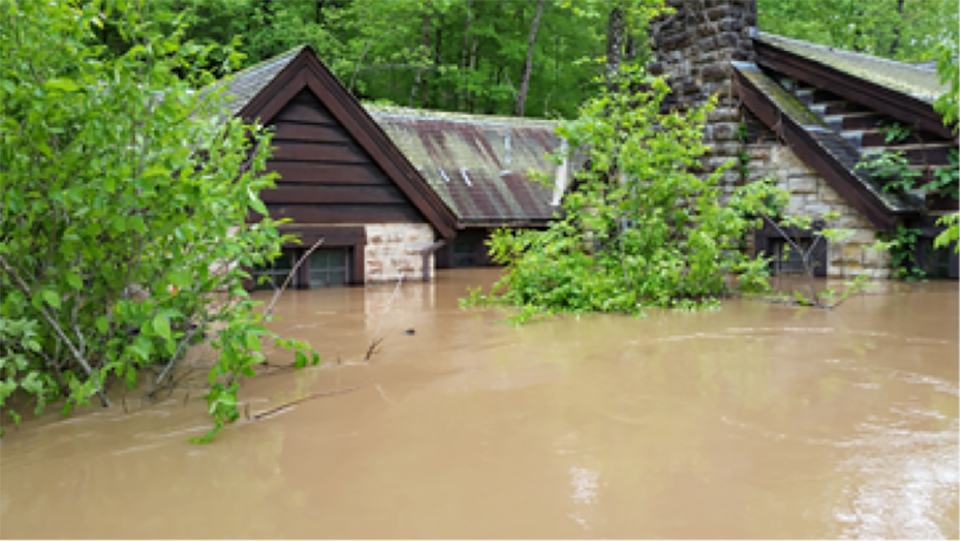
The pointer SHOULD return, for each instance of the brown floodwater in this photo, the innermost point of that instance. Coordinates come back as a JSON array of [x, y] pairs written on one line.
[[751, 421]]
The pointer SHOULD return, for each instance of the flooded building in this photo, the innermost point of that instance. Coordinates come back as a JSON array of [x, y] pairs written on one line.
[[807, 115], [393, 193], [480, 166]]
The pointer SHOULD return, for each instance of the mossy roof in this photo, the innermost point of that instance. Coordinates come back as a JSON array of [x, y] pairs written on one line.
[[477, 164], [829, 143], [914, 80]]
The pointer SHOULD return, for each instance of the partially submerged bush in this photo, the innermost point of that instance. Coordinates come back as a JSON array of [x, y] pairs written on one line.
[[642, 229], [125, 194]]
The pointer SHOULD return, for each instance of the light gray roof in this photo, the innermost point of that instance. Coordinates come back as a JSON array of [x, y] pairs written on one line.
[[917, 81], [246, 84], [827, 141]]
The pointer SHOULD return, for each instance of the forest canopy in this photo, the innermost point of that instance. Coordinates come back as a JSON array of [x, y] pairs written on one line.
[[534, 58]]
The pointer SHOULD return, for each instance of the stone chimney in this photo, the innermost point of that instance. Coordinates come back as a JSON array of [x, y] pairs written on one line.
[[694, 47]]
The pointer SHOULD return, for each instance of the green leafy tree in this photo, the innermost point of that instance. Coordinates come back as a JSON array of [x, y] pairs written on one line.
[[948, 68], [907, 30], [641, 229], [123, 237]]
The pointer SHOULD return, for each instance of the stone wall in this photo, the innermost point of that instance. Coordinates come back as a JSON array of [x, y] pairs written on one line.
[[811, 195], [395, 249], [694, 47]]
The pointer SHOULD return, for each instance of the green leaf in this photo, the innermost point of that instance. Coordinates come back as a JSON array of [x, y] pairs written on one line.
[[161, 326], [253, 342], [65, 85], [300, 361], [75, 281], [156, 171], [256, 203], [102, 324], [52, 298]]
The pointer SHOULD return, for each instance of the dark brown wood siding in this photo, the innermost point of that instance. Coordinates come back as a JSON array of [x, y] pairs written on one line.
[[325, 175]]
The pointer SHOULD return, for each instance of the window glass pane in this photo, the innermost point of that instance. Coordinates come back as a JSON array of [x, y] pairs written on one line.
[[935, 263], [786, 259], [328, 267], [276, 271]]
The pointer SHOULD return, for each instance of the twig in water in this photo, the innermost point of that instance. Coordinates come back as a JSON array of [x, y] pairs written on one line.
[[372, 349], [277, 293], [376, 335], [271, 411]]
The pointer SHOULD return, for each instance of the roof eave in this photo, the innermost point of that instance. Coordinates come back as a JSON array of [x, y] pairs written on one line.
[[899, 105], [835, 173], [306, 65]]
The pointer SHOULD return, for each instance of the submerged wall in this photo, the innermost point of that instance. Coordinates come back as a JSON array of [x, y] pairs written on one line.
[[811, 195], [694, 48], [397, 249]]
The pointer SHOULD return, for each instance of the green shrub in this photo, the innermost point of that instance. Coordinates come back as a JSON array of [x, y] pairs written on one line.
[[123, 237], [642, 229]]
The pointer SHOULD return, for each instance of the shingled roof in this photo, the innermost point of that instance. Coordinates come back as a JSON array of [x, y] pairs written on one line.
[[830, 106], [911, 79], [248, 83], [478, 164], [903, 91], [821, 147]]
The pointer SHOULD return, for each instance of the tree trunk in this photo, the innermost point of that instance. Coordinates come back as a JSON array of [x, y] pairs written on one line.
[[615, 28], [425, 46], [528, 67], [631, 49], [461, 100], [896, 31], [473, 69], [436, 63]]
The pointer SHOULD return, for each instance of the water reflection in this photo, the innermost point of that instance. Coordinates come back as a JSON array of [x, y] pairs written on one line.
[[751, 421]]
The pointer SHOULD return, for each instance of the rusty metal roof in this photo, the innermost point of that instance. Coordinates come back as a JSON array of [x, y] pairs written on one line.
[[478, 164]]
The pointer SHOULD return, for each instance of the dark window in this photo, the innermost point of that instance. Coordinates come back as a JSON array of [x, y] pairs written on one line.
[[275, 272], [328, 267], [786, 258], [934, 262], [464, 254]]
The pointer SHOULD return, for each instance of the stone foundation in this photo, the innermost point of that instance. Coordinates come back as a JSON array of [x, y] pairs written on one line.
[[811, 195], [396, 249]]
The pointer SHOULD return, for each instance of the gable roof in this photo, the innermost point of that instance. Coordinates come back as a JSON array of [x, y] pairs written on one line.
[[478, 164], [261, 91], [911, 79], [821, 148], [903, 91]]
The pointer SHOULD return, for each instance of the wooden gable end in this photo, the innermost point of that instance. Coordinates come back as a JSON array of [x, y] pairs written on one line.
[[335, 164], [326, 176]]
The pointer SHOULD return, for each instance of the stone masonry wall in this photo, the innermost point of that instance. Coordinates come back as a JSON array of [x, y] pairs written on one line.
[[395, 249], [811, 195], [694, 47]]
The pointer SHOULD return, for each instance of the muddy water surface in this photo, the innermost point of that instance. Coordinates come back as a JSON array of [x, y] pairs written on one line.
[[751, 421]]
